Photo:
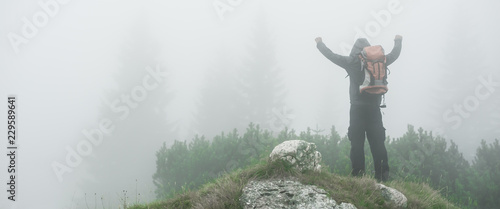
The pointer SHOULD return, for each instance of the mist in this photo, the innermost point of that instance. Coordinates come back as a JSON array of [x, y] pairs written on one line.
[[102, 85]]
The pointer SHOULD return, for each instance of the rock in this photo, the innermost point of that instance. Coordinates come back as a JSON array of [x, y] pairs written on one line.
[[287, 194], [393, 195], [300, 154]]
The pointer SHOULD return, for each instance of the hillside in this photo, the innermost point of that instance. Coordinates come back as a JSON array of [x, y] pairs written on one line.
[[225, 191]]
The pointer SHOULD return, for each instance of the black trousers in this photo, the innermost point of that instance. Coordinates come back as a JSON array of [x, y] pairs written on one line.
[[367, 120]]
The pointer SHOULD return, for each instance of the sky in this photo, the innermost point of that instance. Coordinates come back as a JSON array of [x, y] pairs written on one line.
[[61, 58]]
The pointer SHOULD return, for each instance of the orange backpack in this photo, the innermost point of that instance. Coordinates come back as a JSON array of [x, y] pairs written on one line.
[[375, 76]]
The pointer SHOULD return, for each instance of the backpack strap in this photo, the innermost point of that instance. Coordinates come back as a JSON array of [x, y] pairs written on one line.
[[362, 59]]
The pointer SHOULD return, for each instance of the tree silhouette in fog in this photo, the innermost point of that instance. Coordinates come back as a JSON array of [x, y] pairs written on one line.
[[137, 106], [464, 115], [219, 105], [260, 81], [236, 95]]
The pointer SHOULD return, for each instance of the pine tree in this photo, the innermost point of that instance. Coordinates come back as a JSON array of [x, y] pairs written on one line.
[[485, 178]]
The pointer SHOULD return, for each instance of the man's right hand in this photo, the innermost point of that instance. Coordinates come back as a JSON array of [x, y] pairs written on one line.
[[318, 40]]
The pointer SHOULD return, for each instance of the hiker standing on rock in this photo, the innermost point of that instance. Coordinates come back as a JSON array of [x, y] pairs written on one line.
[[366, 67]]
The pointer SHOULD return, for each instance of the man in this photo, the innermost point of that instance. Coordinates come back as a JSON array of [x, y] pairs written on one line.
[[365, 117]]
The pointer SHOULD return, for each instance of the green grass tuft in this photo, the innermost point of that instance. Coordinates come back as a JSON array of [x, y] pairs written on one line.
[[421, 195]]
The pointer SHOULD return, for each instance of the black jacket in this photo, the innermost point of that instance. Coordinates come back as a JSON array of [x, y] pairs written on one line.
[[352, 65]]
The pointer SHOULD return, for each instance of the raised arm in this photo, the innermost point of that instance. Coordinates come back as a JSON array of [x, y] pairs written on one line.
[[339, 60], [396, 50]]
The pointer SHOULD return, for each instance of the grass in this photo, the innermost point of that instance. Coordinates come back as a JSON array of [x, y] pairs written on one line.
[[421, 195], [360, 191]]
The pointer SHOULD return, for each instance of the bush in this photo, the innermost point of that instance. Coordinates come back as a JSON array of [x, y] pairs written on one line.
[[417, 156]]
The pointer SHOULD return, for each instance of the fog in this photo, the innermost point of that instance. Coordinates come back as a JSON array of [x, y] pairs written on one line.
[[132, 75]]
